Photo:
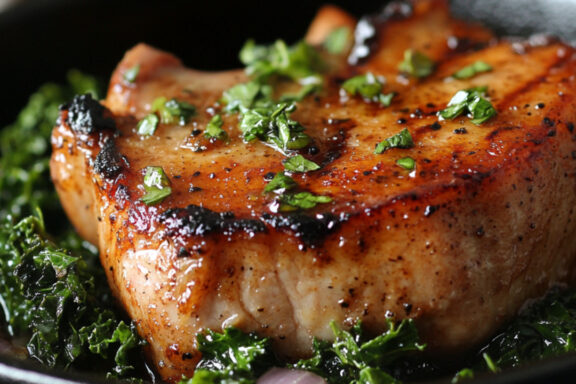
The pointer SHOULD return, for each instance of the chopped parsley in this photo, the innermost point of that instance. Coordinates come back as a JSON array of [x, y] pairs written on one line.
[[245, 96], [338, 40], [156, 185], [470, 101], [407, 163], [299, 163], [131, 74], [272, 125], [280, 183], [403, 139], [301, 200], [214, 129], [173, 111], [296, 62], [147, 126], [416, 64], [472, 70], [369, 87]]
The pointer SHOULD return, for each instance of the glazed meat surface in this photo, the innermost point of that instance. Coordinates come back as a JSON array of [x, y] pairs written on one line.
[[483, 223]]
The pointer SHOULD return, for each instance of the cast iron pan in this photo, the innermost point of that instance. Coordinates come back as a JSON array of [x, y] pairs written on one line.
[[41, 39]]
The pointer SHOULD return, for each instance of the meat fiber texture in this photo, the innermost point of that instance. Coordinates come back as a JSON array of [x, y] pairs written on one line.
[[483, 223]]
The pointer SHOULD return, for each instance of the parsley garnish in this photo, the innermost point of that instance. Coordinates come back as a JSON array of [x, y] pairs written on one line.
[[296, 62], [172, 111], [472, 101], [299, 163], [147, 126], [214, 129], [338, 40], [301, 200], [472, 70], [131, 74], [245, 96], [280, 183], [406, 163], [369, 87], [273, 126], [156, 185], [403, 139], [416, 64]]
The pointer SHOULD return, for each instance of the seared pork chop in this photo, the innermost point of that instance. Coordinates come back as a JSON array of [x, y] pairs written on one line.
[[482, 223]]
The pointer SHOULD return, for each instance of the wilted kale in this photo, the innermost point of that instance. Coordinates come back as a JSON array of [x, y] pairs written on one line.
[[236, 357], [53, 291], [545, 329]]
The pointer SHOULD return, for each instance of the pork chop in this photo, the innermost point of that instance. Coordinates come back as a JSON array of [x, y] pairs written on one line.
[[483, 221]]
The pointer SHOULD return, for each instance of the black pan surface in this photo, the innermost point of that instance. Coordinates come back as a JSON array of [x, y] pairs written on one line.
[[40, 40]]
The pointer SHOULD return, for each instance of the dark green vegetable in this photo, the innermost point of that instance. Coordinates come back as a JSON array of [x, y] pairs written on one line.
[[214, 129], [469, 101], [25, 182], [55, 297], [353, 358], [173, 110], [403, 139], [231, 357], [245, 96], [299, 163], [472, 70], [416, 64], [157, 186], [236, 357], [147, 126]]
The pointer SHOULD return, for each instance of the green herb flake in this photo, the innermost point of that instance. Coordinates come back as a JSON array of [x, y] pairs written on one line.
[[173, 111], [299, 163], [273, 126], [385, 99], [156, 185], [214, 129], [407, 163], [338, 40], [403, 139], [147, 126], [472, 101], [280, 183], [245, 96], [296, 62], [472, 70], [301, 200], [131, 74], [367, 85], [416, 64]]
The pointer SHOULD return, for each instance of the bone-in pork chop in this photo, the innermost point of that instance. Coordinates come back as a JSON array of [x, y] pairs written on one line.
[[464, 215]]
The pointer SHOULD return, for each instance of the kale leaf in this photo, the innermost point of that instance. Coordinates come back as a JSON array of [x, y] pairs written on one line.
[[53, 290]]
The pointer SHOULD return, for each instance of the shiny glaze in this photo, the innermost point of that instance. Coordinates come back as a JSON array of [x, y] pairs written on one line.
[[484, 223]]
